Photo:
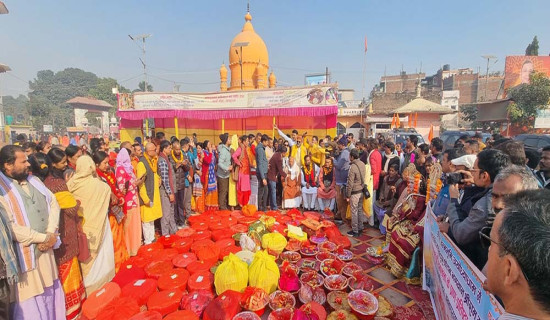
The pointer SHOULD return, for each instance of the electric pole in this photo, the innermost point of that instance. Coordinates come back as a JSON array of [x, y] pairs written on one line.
[[136, 40]]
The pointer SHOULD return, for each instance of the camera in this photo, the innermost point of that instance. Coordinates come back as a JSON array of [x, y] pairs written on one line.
[[454, 178]]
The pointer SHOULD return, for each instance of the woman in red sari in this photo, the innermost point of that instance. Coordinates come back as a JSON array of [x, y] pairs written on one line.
[[116, 214], [70, 274], [208, 178], [405, 228], [240, 158]]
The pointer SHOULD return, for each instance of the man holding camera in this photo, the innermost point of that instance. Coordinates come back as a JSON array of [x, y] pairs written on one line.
[[466, 232], [440, 204]]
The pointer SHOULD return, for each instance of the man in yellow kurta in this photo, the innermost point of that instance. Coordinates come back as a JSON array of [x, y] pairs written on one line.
[[316, 151], [149, 192]]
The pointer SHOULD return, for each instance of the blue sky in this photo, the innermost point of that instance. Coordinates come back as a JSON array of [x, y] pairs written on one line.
[[191, 38]]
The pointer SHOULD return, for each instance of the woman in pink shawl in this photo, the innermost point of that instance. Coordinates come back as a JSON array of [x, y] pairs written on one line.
[[126, 183]]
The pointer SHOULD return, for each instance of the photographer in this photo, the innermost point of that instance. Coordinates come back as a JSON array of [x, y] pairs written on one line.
[[440, 204], [465, 232]]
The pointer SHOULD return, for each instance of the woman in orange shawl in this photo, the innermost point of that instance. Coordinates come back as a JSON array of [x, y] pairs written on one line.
[[116, 214]]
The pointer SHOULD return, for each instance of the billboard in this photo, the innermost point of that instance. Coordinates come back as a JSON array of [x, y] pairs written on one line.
[[317, 79], [519, 68]]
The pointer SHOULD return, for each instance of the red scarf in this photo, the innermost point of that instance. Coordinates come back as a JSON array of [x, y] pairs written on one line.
[[110, 179], [310, 178]]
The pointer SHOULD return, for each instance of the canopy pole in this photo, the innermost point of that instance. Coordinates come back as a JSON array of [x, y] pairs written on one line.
[[273, 130], [176, 127], [223, 126], [146, 128]]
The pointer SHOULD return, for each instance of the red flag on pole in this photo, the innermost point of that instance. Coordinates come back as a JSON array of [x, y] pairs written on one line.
[[365, 44]]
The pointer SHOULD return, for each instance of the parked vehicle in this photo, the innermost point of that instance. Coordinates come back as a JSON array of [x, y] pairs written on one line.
[[399, 136], [449, 137], [534, 141]]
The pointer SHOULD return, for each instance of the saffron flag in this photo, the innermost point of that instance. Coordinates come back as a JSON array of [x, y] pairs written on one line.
[[365, 44], [410, 120], [431, 134], [415, 118], [392, 121], [397, 121]]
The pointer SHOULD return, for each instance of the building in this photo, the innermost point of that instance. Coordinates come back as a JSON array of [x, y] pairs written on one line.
[[402, 82], [351, 113], [84, 105], [248, 101], [248, 61]]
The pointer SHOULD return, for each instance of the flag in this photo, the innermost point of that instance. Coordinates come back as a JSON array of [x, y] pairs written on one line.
[[392, 121], [410, 120], [415, 118], [397, 121], [365, 44], [431, 134]]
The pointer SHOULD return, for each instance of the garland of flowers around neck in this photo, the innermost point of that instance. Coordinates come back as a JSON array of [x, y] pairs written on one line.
[[176, 159]]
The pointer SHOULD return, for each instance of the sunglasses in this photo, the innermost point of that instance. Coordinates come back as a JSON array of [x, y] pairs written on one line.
[[485, 239]]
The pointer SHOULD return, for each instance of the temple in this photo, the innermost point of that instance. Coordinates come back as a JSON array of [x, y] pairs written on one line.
[[248, 101], [248, 61]]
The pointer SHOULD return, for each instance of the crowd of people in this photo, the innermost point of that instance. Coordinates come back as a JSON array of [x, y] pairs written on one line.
[[72, 214]]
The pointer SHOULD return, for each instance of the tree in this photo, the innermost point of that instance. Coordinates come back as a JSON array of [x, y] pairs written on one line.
[[533, 48], [468, 113], [103, 91], [141, 87], [50, 92], [16, 108], [528, 100]]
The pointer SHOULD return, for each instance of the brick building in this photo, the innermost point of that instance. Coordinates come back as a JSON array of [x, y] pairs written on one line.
[[402, 82]]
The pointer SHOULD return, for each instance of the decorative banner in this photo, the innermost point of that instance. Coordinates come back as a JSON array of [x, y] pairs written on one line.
[[518, 69], [318, 96], [454, 283]]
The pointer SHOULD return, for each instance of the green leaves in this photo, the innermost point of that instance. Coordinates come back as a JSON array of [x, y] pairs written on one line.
[[528, 99]]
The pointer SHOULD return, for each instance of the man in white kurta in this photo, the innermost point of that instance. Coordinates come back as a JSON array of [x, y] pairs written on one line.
[[34, 215]]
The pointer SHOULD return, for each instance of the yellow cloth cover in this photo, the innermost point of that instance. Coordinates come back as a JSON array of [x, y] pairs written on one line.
[[274, 241], [264, 272], [232, 274]]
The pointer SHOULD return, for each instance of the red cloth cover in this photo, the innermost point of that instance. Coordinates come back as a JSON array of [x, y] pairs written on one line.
[[239, 228], [202, 280], [122, 308], [174, 279], [183, 245], [224, 307], [224, 243], [140, 290], [156, 268], [201, 235], [196, 301], [168, 240], [183, 260], [227, 250], [223, 213], [209, 253], [342, 241], [127, 274], [147, 315], [222, 234], [200, 226], [199, 265], [165, 302], [185, 232], [149, 249], [182, 315], [199, 244], [99, 299]]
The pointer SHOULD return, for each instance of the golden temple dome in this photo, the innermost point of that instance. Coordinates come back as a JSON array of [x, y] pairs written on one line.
[[249, 48]]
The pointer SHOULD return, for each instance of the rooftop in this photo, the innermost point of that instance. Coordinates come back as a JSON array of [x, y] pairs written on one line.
[[87, 102]]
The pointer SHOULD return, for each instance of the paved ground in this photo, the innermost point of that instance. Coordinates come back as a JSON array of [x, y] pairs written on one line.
[[411, 301]]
